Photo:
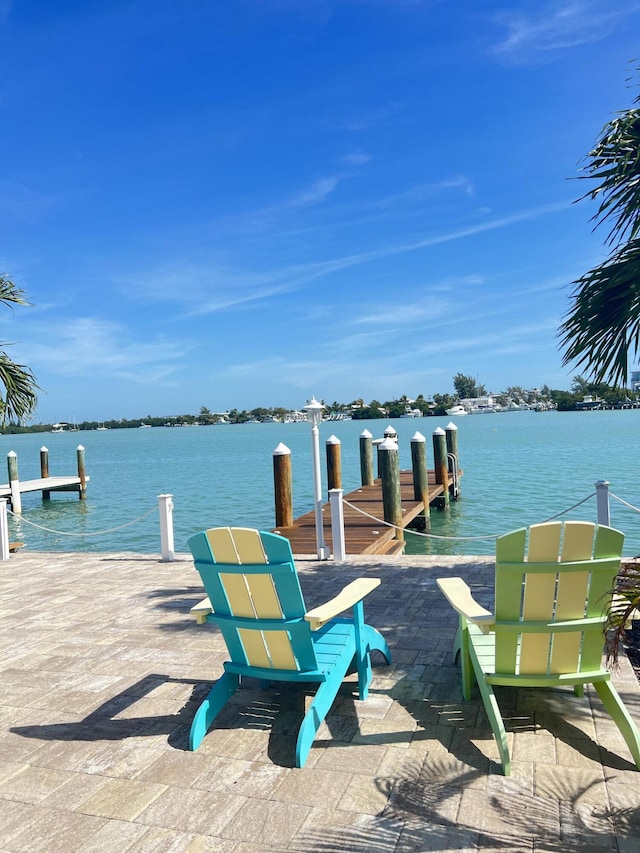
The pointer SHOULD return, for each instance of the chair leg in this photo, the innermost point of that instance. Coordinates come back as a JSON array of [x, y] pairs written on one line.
[[322, 702], [497, 726], [466, 668], [370, 640], [216, 699], [457, 646], [376, 642], [620, 716]]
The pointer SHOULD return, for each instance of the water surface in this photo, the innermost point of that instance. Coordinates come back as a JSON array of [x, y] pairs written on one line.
[[519, 468]]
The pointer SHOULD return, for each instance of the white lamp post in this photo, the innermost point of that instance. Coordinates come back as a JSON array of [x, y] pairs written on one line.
[[313, 410]]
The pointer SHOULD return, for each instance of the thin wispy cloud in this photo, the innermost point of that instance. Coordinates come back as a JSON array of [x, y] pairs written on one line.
[[557, 26], [406, 314], [315, 194], [368, 121], [416, 200], [205, 290], [94, 348], [356, 158]]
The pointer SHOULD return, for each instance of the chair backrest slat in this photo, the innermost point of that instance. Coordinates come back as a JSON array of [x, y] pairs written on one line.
[[249, 574], [542, 590]]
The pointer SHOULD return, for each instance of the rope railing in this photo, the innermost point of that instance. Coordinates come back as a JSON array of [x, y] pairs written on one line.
[[458, 538], [337, 502], [164, 508], [624, 503], [24, 520]]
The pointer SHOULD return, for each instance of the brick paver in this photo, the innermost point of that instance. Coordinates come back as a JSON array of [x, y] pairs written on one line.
[[102, 669]]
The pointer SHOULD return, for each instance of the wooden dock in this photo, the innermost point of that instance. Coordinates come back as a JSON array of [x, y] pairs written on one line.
[[45, 485], [362, 534]]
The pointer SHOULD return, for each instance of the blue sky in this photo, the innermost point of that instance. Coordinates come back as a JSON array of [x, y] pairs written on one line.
[[248, 202]]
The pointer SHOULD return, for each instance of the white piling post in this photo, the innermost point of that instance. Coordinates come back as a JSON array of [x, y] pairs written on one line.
[[337, 524], [313, 410], [602, 502], [4, 530], [165, 506], [14, 482]]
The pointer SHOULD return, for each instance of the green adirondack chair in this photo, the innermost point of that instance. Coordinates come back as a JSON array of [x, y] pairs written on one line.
[[254, 597], [552, 590]]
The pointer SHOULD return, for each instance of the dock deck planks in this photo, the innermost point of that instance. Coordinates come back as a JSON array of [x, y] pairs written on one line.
[[362, 534], [44, 484]]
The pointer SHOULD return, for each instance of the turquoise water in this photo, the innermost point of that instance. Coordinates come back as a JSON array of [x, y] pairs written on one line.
[[519, 468]]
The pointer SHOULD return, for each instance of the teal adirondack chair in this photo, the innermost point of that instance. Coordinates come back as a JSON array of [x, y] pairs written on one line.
[[552, 590], [254, 597]]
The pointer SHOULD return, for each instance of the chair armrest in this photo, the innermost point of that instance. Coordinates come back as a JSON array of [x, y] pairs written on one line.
[[201, 610], [350, 595], [459, 597]]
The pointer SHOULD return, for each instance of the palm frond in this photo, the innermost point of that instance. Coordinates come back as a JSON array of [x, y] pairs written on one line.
[[625, 604], [602, 328], [20, 386], [10, 292]]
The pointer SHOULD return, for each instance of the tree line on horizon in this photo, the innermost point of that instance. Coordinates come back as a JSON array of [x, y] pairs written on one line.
[[466, 387]]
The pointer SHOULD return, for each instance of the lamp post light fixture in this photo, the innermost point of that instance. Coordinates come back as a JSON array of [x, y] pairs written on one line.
[[314, 411]]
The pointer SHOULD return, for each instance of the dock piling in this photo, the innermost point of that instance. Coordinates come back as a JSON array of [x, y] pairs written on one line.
[[44, 470], [451, 431], [282, 485], [441, 463], [14, 482], [390, 478], [420, 475], [366, 458], [334, 463], [44, 462], [82, 474]]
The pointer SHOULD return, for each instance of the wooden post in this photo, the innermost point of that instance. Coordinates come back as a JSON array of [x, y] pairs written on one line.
[[420, 475], [282, 485], [82, 474], [390, 477], [366, 458], [14, 482], [440, 462], [44, 471], [452, 456], [391, 432], [165, 508], [334, 463], [44, 462]]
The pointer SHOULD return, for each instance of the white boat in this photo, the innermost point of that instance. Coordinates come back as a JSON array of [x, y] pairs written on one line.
[[144, 426], [411, 413], [58, 427], [589, 403], [457, 411], [485, 405]]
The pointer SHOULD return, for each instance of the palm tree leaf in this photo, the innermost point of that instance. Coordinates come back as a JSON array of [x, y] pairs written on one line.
[[602, 327]]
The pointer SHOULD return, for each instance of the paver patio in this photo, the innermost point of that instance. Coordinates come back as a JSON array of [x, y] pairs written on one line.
[[102, 669]]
